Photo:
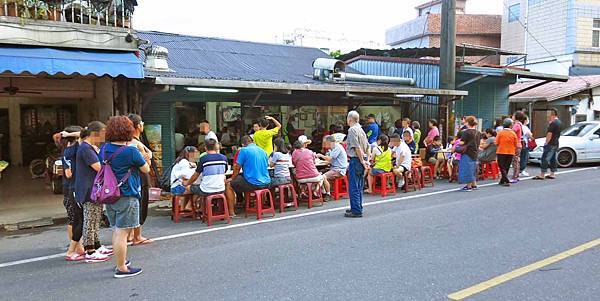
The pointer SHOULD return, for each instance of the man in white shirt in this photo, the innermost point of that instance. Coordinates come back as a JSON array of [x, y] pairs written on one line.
[[403, 157]]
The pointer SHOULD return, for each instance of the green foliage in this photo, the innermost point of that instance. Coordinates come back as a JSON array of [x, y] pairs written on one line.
[[335, 54]]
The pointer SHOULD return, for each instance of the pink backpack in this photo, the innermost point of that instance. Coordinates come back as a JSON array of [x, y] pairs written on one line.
[[106, 190]]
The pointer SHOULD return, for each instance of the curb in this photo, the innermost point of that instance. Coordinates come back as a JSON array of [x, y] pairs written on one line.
[[35, 223]]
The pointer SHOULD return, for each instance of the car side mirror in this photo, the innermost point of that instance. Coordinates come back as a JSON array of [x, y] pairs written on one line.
[[594, 137]]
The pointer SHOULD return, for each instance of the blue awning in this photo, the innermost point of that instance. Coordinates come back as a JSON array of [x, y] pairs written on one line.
[[36, 60]]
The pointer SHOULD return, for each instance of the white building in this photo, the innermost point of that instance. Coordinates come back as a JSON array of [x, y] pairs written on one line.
[[326, 41]]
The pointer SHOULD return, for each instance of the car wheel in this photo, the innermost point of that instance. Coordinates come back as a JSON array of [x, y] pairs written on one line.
[[56, 184], [566, 157]]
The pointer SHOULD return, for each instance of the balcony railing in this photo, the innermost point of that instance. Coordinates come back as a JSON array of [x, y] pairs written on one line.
[[114, 13]]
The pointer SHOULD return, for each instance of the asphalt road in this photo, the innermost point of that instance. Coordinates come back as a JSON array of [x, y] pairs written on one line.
[[411, 248]]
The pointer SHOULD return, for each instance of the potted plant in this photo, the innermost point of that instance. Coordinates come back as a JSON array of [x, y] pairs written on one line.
[[33, 9]]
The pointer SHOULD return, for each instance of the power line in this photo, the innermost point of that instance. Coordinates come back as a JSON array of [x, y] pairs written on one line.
[[542, 45]]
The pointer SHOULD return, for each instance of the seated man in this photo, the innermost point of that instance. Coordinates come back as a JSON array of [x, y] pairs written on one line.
[[211, 168], [254, 163], [403, 157], [337, 158]]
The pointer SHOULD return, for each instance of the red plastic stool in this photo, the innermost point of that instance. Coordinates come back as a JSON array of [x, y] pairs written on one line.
[[176, 210], [256, 197], [284, 192], [426, 176], [311, 198], [384, 179], [412, 180], [490, 170], [208, 215], [340, 187]]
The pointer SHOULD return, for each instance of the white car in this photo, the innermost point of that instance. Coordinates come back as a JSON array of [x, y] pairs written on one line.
[[580, 143]]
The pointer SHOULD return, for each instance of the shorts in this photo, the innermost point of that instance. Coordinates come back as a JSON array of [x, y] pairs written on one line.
[[241, 185], [317, 179], [178, 190], [124, 214], [377, 171], [69, 202], [276, 181], [333, 174], [432, 160], [195, 189], [400, 170]]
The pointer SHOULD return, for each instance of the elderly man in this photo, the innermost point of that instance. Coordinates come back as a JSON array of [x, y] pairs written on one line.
[[337, 158], [359, 152]]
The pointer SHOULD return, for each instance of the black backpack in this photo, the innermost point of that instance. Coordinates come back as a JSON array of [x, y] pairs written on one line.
[[165, 180]]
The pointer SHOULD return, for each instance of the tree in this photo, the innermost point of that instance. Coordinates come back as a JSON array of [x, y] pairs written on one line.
[[335, 54]]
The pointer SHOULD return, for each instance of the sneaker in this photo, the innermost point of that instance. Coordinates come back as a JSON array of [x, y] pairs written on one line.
[[96, 257], [525, 174], [400, 183], [514, 181], [127, 264], [75, 257], [352, 215], [466, 189], [475, 187], [105, 251], [130, 273]]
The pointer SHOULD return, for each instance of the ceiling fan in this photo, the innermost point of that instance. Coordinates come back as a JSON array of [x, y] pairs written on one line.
[[12, 90]]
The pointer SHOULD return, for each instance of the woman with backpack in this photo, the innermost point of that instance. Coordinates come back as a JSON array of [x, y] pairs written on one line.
[[138, 125], [126, 163], [87, 166]]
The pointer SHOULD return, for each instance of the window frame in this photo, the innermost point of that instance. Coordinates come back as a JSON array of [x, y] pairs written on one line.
[[595, 33], [512, 16]]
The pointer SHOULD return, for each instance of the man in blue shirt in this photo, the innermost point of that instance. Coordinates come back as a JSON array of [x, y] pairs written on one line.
[[253, 162], [372, 129]]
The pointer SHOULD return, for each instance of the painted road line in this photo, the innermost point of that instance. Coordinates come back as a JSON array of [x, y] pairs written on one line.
[[282, 218], [460, 295]]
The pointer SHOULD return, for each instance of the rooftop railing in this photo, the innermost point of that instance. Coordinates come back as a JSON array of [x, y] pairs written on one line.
[[113, 13]]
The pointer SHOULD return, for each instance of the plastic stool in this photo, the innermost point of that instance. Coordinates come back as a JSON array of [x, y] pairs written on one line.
[[176, 210], [258, 202], [384, 179], [340, 187], [284, 191], [311, 198], [490, 170], [426, 176], [412, 180], [207, 214]]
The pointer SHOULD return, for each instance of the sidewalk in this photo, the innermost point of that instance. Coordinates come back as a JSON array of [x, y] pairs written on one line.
[[26, 202]]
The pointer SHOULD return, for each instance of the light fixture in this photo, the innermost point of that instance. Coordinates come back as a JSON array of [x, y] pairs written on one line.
[[409, 95], [216, 90]]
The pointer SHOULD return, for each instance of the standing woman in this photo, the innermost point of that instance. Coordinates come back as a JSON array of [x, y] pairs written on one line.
[[433, 132], [86, 167], [138, 126], [126, 163], [468, 148]]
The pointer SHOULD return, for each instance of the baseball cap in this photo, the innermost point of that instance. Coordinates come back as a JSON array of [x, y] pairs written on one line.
[[304, 140]]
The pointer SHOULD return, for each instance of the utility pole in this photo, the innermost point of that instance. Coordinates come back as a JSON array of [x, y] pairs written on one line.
[[447, 63]]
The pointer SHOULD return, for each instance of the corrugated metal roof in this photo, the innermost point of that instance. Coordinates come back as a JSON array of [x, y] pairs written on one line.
[[554, 90], [214, 58]]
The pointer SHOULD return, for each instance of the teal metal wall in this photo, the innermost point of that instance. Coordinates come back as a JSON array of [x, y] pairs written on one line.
[[487, 99]]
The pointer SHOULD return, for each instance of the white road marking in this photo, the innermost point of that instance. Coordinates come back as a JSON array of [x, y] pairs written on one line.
[[281, 218]]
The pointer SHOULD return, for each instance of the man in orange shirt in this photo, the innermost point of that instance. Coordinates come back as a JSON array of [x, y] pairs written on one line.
[[507, 142]]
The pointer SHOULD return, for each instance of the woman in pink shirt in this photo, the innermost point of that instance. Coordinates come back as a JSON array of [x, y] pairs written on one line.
[[303, 160], [433, 131]]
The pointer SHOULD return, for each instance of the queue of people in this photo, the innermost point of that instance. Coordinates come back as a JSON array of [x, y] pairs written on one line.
[[265, 161]]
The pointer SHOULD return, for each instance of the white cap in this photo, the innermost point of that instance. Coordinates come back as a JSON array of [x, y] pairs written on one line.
[[211, 135], [304, 140]]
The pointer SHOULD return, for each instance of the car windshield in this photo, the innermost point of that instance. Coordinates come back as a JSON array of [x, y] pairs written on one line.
[[578, 130]]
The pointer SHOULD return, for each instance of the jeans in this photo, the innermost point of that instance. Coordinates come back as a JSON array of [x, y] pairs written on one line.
[[524, 158], [549, 158], [356, 183]]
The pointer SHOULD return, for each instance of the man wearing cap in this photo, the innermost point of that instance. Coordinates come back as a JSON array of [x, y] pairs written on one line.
[[372, 130], [358, 150]]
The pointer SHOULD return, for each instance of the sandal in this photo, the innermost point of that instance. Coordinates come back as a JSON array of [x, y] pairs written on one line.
[[538, 178], [551, 177], [143, 242]]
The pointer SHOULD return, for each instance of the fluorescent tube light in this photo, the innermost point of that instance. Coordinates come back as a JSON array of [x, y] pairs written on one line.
[[217, 90]]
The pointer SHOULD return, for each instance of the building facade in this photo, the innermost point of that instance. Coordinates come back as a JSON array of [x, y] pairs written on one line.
[[425, 30], [559, 36]]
